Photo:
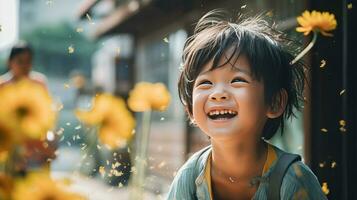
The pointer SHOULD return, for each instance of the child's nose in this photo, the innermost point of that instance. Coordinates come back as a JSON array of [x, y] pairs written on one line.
[[219, 96]]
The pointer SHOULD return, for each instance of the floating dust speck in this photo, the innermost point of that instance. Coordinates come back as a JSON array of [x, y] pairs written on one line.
[[342, 124], [133, 170], [49, 2], [342, 92], [89, 19], [324, 130], [70, 49], [181, 67], [162, 118], [166, 40], [58, 106], [68, 124], [325, 188], [84, 146], [45, 145], [79, 30], [323, 63], [322, 164], [270, 14], [333, 164], [349, 6], [117, 173], [102, 171], [78, 127], [231, 179], [115, 165], [161, 165], [66, 85], [244, 6], [117, 51]]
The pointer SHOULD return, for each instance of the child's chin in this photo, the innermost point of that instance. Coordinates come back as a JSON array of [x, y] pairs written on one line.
[[222, 134]]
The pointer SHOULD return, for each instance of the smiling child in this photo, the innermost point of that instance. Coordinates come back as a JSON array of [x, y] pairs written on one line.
[[238, 87]]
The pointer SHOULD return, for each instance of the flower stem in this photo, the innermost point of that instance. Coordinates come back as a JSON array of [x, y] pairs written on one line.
[[138, 179], [307, 48]]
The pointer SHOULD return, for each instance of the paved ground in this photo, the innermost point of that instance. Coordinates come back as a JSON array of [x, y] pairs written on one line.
[[66, 165], [96, 189]]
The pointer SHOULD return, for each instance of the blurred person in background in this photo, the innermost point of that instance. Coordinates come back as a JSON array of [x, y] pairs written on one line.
[[19, 64]]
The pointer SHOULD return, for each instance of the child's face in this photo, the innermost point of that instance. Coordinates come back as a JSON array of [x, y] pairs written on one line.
[[236, 95], [21, 64]]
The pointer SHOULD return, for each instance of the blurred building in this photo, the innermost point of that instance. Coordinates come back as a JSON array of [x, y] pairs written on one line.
[[38, 12], [158, 29]]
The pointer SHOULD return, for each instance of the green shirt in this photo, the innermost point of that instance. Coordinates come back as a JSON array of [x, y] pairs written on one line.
[[190, 181]]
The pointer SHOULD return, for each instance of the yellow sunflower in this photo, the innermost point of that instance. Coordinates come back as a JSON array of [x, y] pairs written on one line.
[[27, 108], [148, 96], [7, 138], [113, 119], [6, 186], [316, 21], [39, 186]]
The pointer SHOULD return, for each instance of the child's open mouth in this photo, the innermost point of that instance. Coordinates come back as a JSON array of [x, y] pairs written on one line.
[[222, 114]]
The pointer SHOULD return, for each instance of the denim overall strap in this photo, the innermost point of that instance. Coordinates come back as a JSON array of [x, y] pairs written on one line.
[[277, 175]]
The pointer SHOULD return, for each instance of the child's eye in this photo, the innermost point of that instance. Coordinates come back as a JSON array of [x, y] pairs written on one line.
[[237, 80], [204, 82]]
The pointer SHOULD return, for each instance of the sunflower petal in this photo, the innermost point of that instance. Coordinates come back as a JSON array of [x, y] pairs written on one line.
[[317, 21]]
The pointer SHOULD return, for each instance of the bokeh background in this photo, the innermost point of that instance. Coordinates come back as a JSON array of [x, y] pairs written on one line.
[[90, 46]]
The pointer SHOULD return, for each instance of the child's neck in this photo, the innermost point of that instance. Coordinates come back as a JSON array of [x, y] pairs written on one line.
[[239, 159]]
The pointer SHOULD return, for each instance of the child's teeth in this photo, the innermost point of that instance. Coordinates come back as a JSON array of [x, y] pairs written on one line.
[[221, 112]]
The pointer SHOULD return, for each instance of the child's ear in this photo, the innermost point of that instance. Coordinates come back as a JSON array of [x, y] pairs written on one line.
[[278, 106]]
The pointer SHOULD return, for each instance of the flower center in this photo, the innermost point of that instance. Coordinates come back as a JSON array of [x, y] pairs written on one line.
[[49, 197], [22, 111]]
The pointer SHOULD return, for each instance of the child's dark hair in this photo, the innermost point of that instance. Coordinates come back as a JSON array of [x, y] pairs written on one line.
[[266, 50], [19, 48]]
